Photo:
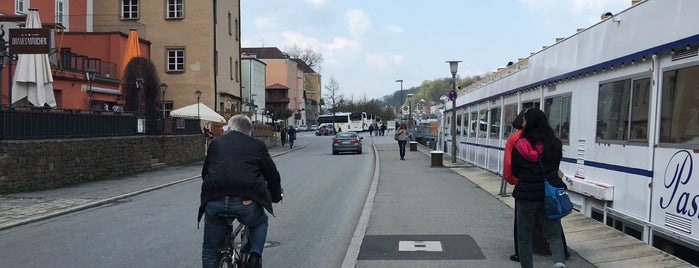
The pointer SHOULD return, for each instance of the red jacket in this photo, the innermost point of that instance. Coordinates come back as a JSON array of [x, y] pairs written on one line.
[[507, 163]]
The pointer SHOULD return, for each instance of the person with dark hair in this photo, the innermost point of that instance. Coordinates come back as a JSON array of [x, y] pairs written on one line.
[[292, 136], [402, 137], [537, 144], [240, 178]]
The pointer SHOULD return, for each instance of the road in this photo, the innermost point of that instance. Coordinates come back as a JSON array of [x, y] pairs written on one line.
[[324, 195]]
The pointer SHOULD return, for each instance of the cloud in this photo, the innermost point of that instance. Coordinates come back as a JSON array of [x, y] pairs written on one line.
[[357, 22], [394, 28], [383, 61], [338, 51]]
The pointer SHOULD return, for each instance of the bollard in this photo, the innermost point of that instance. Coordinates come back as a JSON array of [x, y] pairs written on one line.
[[413, 146], [437, 158]]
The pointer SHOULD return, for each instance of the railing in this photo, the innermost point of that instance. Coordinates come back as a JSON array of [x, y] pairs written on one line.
[[67, 60], [26, 124]]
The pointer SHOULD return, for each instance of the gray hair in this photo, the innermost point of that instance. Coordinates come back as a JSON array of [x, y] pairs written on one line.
[[241, 123]]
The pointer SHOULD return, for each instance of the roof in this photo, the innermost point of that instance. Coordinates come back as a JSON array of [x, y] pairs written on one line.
[[264, 52], [276, 86], [304, 67]]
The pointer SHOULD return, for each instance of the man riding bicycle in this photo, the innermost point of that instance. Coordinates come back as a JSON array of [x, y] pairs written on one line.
[[238, 178]]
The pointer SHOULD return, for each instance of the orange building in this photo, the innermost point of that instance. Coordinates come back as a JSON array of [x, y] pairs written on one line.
[[72, 52]]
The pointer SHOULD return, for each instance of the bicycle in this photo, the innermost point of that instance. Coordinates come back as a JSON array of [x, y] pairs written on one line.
[[231, 255]]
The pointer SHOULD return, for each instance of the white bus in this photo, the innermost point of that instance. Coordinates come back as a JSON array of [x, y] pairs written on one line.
[[623, 96], [354, 121]]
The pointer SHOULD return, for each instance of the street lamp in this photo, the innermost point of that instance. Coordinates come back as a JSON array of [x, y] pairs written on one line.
[[198, 95], [163, 88], [401, 96], [453, 67], [2, 64], [410, 111], [90, 76], [139, 85]]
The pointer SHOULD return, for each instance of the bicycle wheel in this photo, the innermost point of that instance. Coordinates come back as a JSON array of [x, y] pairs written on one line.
[[243, 257], [226, 261]]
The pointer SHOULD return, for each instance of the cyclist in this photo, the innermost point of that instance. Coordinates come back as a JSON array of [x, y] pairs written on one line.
[[239, 178]]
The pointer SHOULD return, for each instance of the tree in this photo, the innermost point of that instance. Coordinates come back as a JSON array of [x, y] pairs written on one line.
[[307, 55], [146, 98], [332, 94]]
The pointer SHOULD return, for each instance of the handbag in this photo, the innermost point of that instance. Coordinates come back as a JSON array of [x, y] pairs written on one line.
[[557, 203], [395, 137]]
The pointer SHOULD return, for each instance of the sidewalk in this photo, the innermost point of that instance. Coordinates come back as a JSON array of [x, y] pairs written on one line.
[[22, 208], [452, 216]]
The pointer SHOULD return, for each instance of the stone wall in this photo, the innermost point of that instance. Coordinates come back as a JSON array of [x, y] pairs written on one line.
[[28, 165]]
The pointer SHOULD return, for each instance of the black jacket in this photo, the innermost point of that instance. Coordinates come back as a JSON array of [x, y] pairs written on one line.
[[239, 165], [531, 181]]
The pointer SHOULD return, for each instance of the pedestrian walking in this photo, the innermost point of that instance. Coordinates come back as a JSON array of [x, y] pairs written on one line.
[[292, 137], [371, 129], [383, 129], [537, 151], [402, 137], [283, 135]]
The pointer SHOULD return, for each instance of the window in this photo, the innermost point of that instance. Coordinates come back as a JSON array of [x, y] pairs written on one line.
[[230, 31], [510, 115], [679, 118], [129, 9], [483, 124], [495, 123], [474, 124], [21, 6], [237, 72], [622, 110], [237, 33], [60, 15], [230, 66], [558, 111], [175, 9], [458, 124], [175, 60]]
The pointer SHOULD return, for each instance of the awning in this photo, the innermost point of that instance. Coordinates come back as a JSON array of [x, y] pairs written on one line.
[[203, 112]]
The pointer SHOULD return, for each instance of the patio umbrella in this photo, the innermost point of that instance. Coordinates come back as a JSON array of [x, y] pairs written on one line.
[[132, 50], [33, 78], [204, 113]]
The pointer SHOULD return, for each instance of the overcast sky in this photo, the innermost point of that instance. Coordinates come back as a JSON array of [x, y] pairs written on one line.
[[368, 44]]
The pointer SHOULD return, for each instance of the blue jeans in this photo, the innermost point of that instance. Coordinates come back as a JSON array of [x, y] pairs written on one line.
[[527, 212], [216, 229], [401, 148]]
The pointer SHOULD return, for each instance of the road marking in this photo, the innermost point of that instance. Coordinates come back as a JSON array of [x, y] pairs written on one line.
[[429, 246]]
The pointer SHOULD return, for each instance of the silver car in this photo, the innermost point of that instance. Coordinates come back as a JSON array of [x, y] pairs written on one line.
[[347, 142]]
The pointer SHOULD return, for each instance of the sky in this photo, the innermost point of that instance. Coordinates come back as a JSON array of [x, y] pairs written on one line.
[[369, 44]]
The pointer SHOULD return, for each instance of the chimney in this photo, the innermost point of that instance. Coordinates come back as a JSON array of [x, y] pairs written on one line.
[[633, 2], [559, 39], [579, 30]]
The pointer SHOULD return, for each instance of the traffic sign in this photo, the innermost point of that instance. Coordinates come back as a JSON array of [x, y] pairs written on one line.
[[452, 95]]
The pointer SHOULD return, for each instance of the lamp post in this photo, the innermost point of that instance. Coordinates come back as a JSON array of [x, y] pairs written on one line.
[[2, 64], [197, 93], [163, 88], [90, 76], [410, 112], [453, 67], [139, 85], [401, 96]]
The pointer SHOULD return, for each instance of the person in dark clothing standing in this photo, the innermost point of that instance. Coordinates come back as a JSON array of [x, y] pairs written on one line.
[[240, 178], [292, 137], [537, 154], [283, 135]]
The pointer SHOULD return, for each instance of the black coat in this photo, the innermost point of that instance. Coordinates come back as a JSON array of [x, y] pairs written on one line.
[[531, 182], [239, 165]]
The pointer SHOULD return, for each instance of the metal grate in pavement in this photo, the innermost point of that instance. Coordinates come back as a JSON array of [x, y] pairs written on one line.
[[419, 247]]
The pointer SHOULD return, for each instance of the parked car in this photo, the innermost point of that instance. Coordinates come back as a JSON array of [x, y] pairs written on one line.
[[348, 141], [303, 128], [313, 127], [322, 130]]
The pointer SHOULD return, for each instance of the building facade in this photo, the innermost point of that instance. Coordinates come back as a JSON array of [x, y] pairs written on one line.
[[253, 81], [208, 61]]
